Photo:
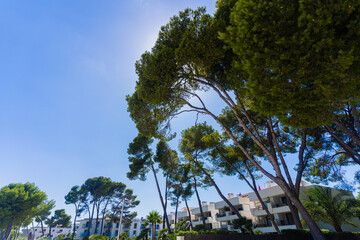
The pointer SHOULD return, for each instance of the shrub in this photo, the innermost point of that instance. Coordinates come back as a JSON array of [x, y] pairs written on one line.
[[199, 228], [258, 232], [98, 237]]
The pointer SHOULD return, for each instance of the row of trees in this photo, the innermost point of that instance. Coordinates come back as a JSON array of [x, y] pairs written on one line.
[[100, 197], [21, 204], [288, 75]]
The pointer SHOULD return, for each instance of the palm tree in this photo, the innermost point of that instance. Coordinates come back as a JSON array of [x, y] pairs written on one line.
[[153, 218], [328, 207]]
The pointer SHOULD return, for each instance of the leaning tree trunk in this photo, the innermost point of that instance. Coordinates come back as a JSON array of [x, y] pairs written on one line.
[[199, 201], [74, 228], [91, 218], [314, 228], [219, 192], [188, 210], [42, 227], [161, 198], [166, 193], [176, 210], [294, 213]]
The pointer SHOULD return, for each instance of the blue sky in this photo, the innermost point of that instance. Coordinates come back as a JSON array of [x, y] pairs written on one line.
[[66, 67]]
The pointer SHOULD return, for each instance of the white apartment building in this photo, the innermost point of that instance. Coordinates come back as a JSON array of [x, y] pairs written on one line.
[[219, 215], [276, 202], [36, 232], [112, 230], [226, 215]]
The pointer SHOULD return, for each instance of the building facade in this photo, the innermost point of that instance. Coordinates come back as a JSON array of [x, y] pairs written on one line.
[[219, 215], [36, 232], [112, 229]]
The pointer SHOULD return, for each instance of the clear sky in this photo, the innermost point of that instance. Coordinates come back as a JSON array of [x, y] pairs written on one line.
[[65, 69]]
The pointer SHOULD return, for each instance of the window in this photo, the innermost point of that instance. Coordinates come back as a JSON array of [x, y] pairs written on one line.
[[116, 232], [117, 226], [135, 225], [134, 233]]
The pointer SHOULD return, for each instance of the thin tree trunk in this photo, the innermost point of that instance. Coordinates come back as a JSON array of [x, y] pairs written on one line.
[[49, 232], [74, 228], [42, 227], [97, 217], [103, 216], [219, 192], [91, 218], [153, 231], [188, 210], [166, 193], [199, 201], [176, 210], [33, 234], [337, 226], [8, 229], [161, 198]]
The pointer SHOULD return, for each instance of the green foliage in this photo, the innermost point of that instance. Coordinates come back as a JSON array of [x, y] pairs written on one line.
[[182, 226], [301, 58], [258, 232], [98, 237], [199, 228], [153, 218], [124, 236], [244, 224], [140, 157], [162, 234], [19, 203], [329, 207], [59, 218]]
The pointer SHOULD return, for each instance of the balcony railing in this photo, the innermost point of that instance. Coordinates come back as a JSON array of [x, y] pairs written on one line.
[[276, 205], [259, 225]]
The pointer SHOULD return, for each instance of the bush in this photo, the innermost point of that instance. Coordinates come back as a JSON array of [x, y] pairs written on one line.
[[200, 228], [258, 232], [98, 237]]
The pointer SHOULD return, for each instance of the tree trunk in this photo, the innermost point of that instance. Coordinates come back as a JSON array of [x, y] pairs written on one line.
[[253, 186], [314, 228], [219, 192], [97, 217], [161, 198], [188, 210], [91, 218], [74, 228], [8, 229], [42, 227], [337, 226], [50, 236], [200, 204], [166, 193], [153, 231], [176, 210], [294, 213]]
